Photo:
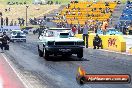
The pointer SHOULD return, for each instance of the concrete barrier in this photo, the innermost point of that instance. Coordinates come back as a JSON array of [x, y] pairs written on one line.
[[109, 42]]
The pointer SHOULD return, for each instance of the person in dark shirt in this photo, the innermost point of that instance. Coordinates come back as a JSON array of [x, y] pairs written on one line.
[[0, 13], [40, 30], [4, 41], [2, 21], [44, 17], [124, 30], [7, 21], [97, 42]]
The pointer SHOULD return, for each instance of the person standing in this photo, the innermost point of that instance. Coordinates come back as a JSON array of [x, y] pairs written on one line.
[[23, 21], [15, 23], [78, 28], [11, 24], [104, 27], [2, 21], [130, 29], [44, 17], [71, 25], [67, 25], [40, 32], [4, 41], [74, 29], [6, 21], [0, 13], [85, 34], [95, 28], [124, 30]]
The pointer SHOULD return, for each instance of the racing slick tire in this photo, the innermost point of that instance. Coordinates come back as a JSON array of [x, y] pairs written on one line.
[[45, 54], [40, 52], [82, 80], [80, 54]]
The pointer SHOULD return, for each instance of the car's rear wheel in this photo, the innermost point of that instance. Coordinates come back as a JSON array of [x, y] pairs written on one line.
[[40, 52], [80, 54]]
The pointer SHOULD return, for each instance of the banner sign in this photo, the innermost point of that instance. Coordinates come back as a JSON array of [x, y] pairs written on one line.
[[8, 28]]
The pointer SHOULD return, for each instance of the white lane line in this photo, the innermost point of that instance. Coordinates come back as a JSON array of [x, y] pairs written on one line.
[[18, 75], [1, 83]]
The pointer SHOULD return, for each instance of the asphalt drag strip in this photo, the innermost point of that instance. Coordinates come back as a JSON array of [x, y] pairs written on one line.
[[41, 73]]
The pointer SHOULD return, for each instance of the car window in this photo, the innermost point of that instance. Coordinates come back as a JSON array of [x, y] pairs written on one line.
[[71, 34], [22, 33], [64, 35], [17, 32], [49, 34], [14, 32]]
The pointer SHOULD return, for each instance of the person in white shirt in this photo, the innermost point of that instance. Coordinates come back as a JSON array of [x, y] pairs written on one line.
[[85, 33]]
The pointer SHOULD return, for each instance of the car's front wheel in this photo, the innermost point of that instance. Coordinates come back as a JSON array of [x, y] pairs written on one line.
[[45, 54]]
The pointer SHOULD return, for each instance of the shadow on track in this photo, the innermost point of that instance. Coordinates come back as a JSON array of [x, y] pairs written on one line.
[[61, 58]]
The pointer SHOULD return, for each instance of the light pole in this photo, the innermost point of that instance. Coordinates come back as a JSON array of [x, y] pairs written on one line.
[[26, 13]]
